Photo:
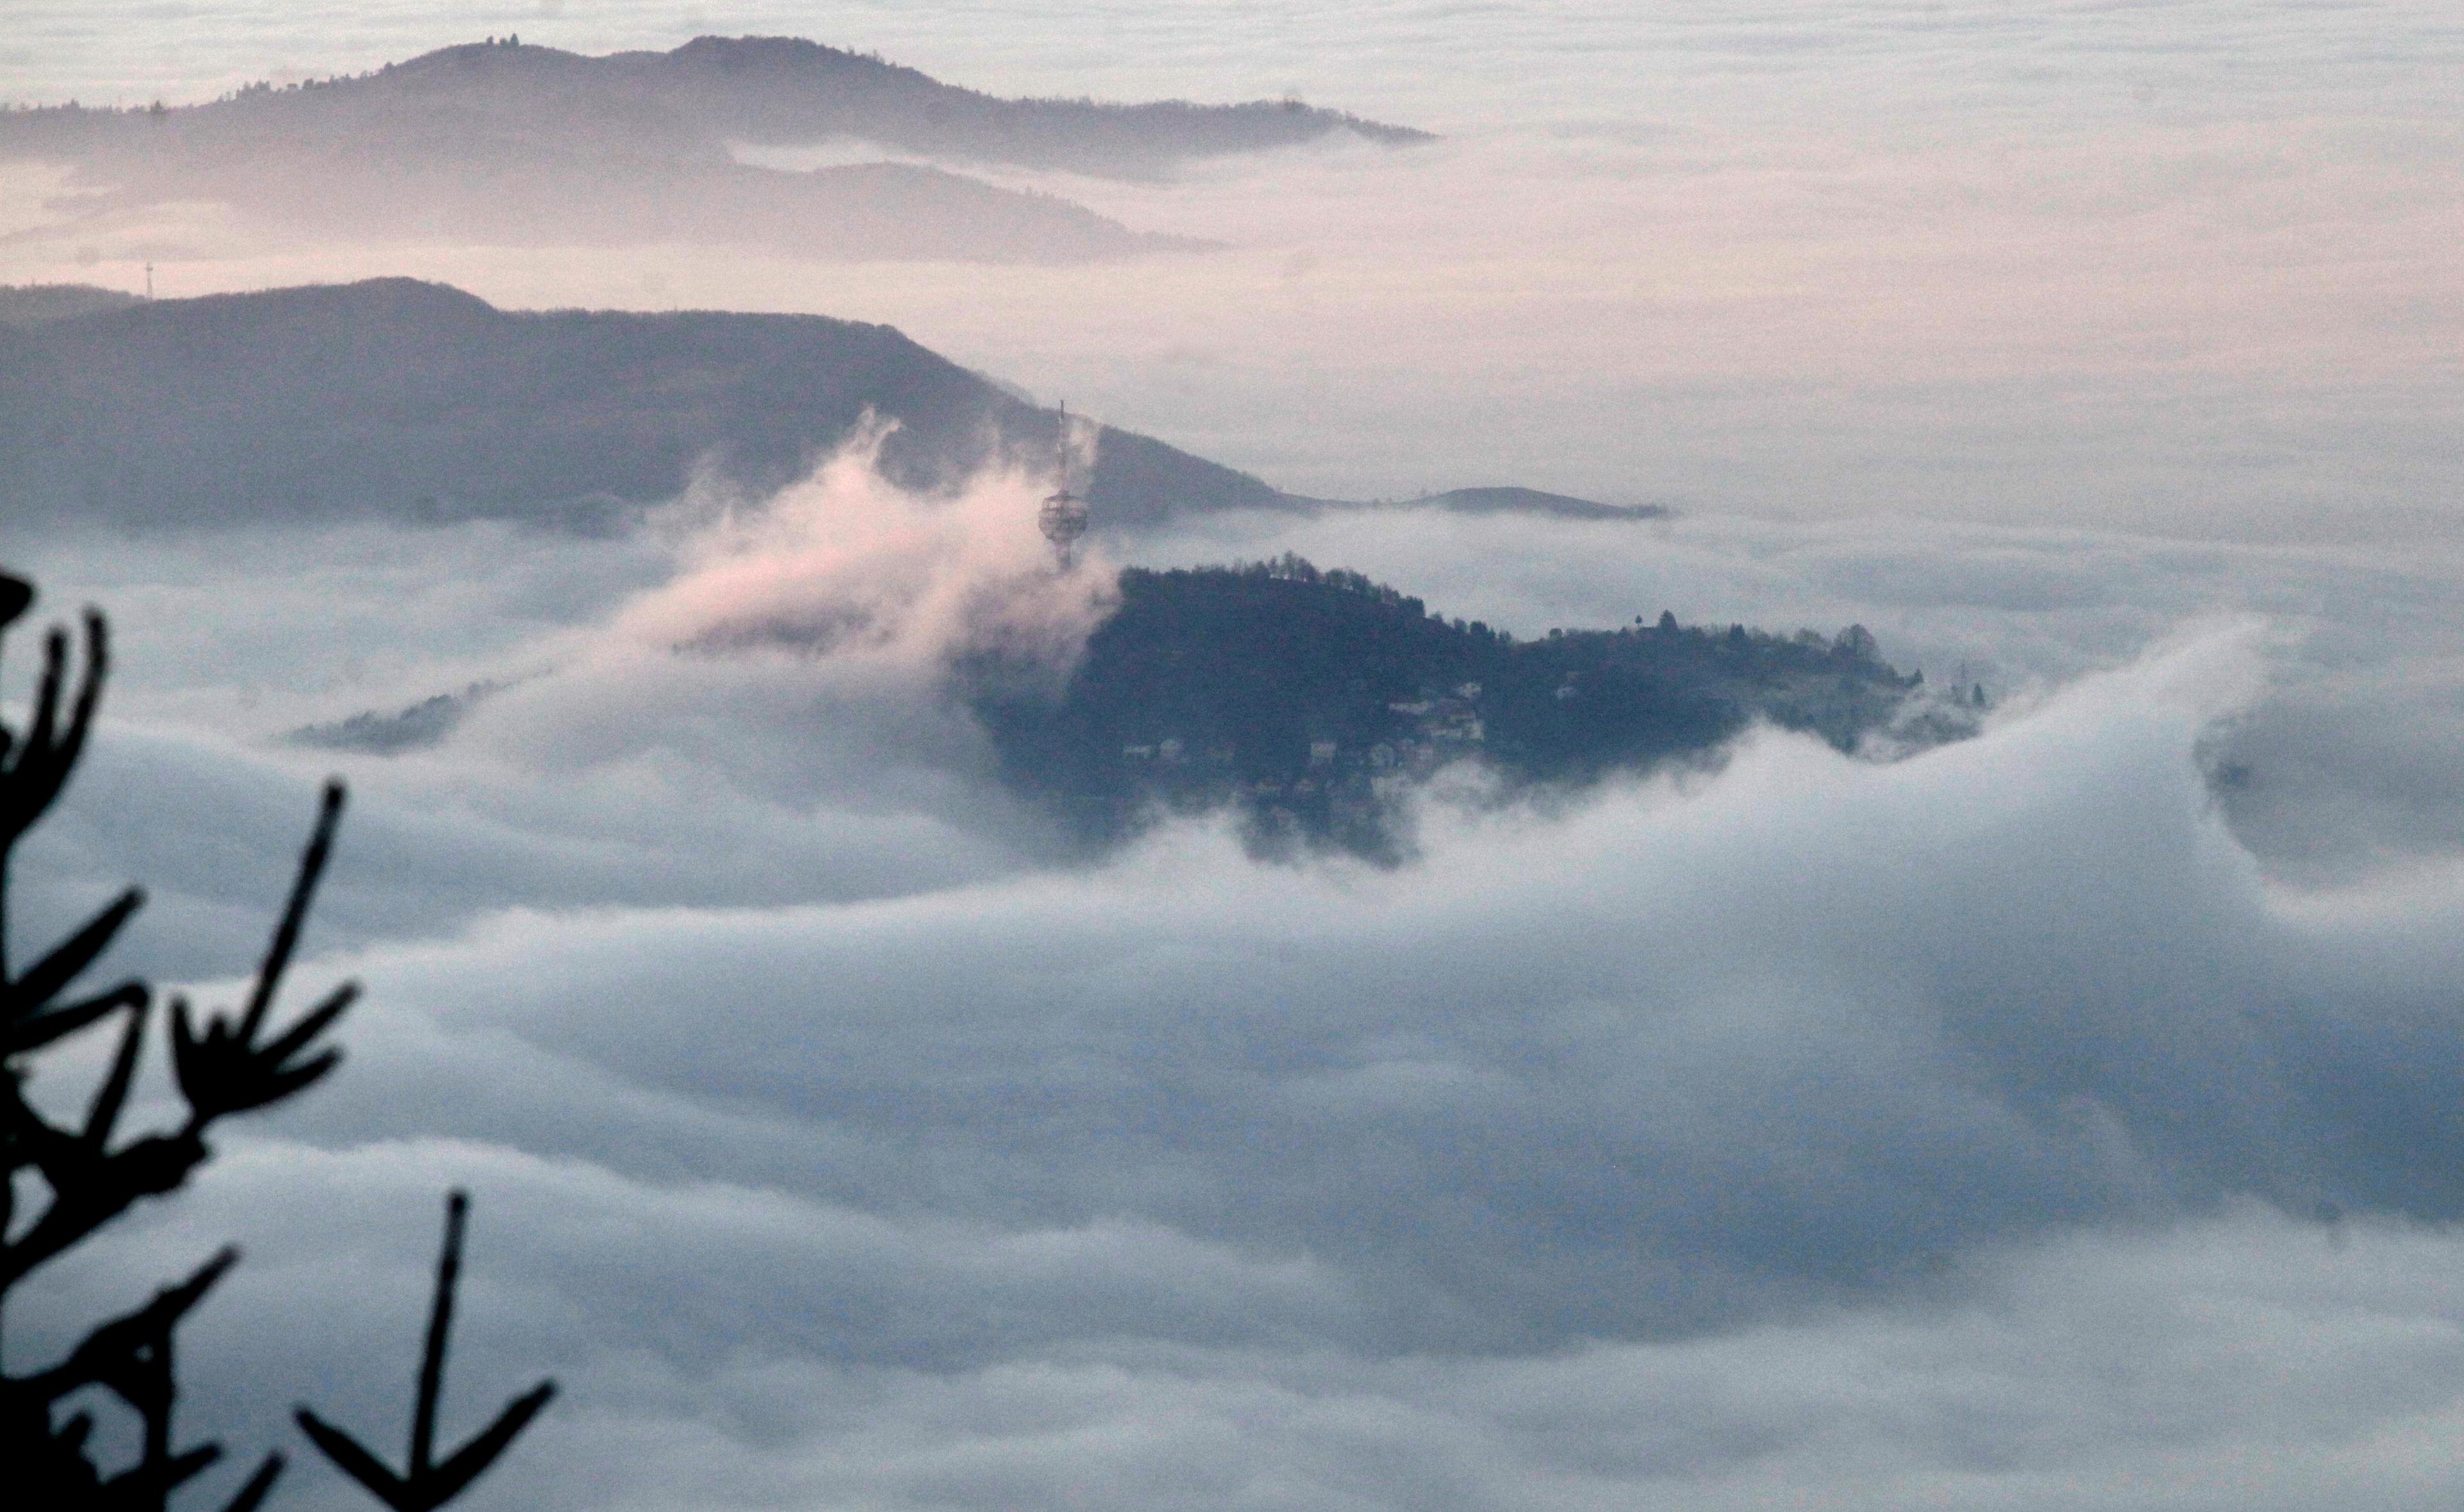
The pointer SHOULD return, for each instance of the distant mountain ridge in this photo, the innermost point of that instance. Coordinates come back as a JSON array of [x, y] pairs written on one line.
[[788, 90], [401, 400], [505, 142], [1512, 500], [405, 400]]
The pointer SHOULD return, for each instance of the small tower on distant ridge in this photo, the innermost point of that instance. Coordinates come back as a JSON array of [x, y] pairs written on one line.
[[1062, 518]]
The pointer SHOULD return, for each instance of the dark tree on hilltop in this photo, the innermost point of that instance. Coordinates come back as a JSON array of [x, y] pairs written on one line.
[[223, 1064]]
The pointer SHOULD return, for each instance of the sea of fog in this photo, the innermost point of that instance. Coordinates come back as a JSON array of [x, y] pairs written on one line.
[[2038, 1120]]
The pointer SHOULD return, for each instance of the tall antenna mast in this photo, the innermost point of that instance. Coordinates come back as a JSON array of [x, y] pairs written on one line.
[[1062, 518]]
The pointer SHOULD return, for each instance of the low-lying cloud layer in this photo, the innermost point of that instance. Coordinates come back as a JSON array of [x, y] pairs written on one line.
[[1997, 1125], [1676, 1059], [911, 1194], [2241, 1360]]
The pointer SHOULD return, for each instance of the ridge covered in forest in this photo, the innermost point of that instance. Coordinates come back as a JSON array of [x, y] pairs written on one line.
[[1312, 701], [398, 399]]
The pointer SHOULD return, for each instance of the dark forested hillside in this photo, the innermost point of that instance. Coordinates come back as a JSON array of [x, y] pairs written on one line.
[[411, 400], [33, 303], [1310, 700]]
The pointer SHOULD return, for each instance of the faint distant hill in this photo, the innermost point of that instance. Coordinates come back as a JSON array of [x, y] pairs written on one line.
[[1508, 500], [414, 729], [413, 400], [1499, 499], [498, 142], [785, 91]]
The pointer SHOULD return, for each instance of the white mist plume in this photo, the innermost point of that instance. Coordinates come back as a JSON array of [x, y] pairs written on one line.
[[841, 601], [847, 563], [810, 651]]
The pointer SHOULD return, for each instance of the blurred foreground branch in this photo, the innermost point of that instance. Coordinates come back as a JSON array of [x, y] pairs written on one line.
[[85, 1174], [427, 1484]]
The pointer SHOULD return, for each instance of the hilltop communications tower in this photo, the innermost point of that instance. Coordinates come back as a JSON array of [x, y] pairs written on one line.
[[1062, 518]]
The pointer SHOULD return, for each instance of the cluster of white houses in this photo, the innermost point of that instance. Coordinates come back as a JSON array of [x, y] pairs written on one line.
[[1441, 729]]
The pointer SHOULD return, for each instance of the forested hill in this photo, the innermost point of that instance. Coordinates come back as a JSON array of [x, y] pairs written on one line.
[[399, 399], [483, 101], [1310, 700], [771, 141]]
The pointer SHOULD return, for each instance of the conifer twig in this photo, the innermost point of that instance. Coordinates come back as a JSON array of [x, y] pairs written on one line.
[[427, 1484]]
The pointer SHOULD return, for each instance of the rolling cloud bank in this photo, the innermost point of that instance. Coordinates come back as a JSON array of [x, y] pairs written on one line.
[[1797, 1126]]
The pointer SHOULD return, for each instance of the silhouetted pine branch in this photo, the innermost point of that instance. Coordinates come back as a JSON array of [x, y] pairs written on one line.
[[235, 1062], [427, 1484]]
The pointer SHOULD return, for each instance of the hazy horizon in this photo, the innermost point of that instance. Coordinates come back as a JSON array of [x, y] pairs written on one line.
[[2179, 268]]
